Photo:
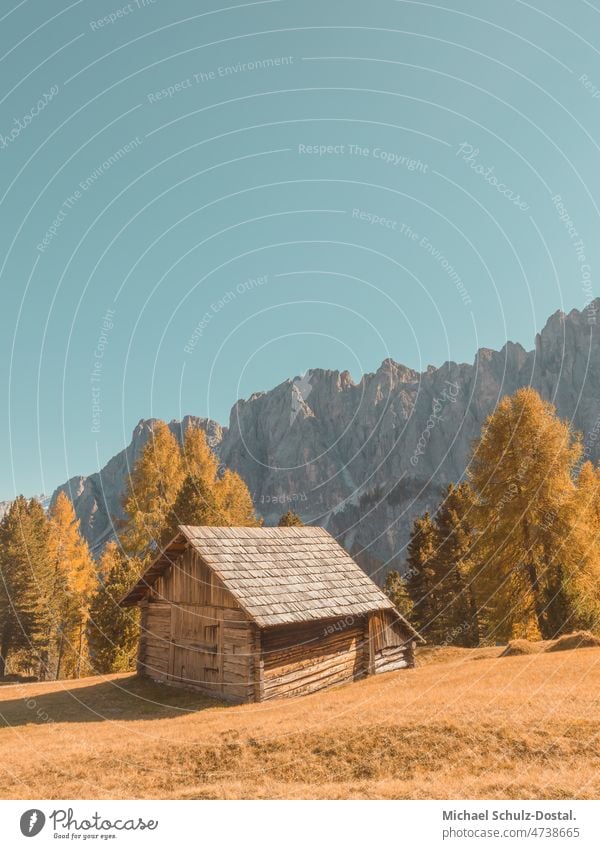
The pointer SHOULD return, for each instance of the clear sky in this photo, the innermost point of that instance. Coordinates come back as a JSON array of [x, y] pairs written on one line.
[[199, 200]]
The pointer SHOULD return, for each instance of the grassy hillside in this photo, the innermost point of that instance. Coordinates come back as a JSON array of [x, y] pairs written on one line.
[[463, 724]]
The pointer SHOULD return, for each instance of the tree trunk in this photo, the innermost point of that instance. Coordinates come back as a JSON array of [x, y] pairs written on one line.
[[475, 636], [537, 603], [5, 648], [534, 581], [78, 673], [60, 654]]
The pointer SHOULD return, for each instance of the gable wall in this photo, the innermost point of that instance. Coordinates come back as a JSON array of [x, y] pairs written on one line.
[[155, 636], [189, 581], [194, 633]]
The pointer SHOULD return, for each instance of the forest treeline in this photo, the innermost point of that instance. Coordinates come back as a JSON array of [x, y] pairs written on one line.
[[59, 611], [512, 551]]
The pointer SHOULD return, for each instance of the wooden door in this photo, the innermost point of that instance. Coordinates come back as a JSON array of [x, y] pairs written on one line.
[[196, 656]]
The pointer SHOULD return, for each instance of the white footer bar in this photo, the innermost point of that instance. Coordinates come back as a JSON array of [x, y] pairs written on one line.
[[302, 824]]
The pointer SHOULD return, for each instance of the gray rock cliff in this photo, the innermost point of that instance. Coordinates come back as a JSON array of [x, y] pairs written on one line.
[[363, 459]]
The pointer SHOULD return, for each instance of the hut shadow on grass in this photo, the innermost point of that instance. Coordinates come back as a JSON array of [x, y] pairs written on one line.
[[120, 700]]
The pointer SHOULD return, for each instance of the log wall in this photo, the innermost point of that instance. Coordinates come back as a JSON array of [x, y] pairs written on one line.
[[390, 644], [303, 658]]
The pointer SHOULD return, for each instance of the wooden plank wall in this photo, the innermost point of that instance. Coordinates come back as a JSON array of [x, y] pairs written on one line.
[[196, 634], [390, 643], [189, 581], [303, 658], [241, 660], [155, 638], [195, 646]]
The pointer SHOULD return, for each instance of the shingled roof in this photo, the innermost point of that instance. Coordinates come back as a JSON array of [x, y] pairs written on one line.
[[278, 575]]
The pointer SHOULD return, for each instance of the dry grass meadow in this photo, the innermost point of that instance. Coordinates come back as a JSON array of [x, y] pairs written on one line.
[[464, 724]]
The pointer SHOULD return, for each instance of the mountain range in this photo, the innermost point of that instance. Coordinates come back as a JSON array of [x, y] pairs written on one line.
[[363, 459]]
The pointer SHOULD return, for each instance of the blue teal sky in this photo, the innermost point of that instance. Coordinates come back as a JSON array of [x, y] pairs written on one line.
[[249, 178]]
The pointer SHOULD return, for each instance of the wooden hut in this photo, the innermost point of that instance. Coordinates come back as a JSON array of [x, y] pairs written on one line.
[[250, 614]]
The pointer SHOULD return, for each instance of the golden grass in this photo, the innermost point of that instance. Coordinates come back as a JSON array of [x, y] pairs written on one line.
[[579, 640], [516, 648], [516, 727], [443, 654]]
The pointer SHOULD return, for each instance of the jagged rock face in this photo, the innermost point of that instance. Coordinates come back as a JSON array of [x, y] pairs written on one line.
[[363, 459], [5, 505]]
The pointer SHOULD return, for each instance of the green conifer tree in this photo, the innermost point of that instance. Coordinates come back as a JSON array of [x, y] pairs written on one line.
[[112, 631], [456, 613], [196, 504], [290, 520], [28, 607], [421, 579], [395, 588]]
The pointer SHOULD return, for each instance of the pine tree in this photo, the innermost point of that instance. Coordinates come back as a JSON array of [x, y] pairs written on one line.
[[522, 474], [75, 580], [234, 499], [112, 631], [27, 605], [153, 487], [421, 581], [396, 590], [16, 601], [195, 504], [290, 520], [457, 609]]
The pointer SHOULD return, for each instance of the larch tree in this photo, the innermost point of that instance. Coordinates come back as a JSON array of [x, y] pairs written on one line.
[[588, 497], [235, 500], [112, 631], [172, 484], [583, 586], [198, 460], [153, 486], [522, 475], [74, 580]]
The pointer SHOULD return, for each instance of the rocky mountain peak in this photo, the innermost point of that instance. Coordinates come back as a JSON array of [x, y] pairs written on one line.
[[363, 459]]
